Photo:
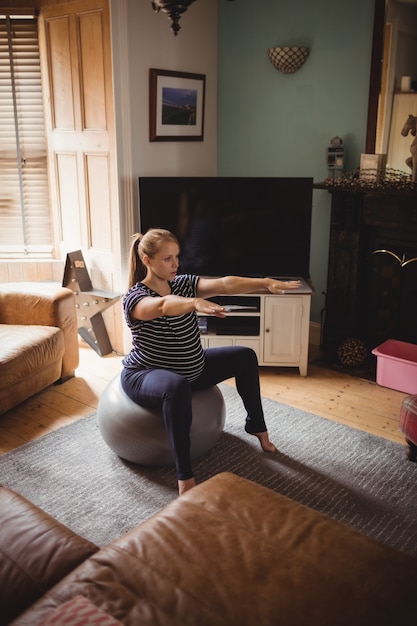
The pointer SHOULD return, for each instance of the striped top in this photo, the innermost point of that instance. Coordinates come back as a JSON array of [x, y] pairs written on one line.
[[168, 342]]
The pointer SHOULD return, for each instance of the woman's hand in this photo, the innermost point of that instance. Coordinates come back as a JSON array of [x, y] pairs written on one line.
[[282, 286], [209, 308]]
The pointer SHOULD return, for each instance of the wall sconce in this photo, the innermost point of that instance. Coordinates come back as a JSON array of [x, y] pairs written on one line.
[[288, 59], [174, 10]]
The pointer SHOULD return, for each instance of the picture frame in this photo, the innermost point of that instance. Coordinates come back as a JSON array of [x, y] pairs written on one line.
[[176, 105]]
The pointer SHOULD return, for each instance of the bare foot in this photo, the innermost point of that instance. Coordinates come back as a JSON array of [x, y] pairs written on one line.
[[186, 485], [266, 445]]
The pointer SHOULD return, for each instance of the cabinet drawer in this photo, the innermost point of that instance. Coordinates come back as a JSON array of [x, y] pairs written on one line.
[[220, 342]]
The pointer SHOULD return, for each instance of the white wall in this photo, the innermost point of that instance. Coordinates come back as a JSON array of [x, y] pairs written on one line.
[[142, 40]]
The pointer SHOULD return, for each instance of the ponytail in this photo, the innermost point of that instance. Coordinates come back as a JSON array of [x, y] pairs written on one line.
[[137, 270]]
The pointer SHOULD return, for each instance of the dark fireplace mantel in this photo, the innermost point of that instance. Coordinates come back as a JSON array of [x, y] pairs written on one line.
[[371, 291]]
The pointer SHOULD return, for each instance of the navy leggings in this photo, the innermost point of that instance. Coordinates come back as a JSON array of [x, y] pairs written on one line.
[[171, 392]]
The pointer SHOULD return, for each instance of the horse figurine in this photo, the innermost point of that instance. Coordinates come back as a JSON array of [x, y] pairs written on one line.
[[411, 126]]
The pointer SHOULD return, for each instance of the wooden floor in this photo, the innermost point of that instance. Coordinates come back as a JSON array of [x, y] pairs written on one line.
[[343, 398]]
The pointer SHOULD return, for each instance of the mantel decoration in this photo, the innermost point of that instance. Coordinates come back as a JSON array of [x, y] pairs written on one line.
[[288, 59], [394, 180], [174, 10], [410, 126]]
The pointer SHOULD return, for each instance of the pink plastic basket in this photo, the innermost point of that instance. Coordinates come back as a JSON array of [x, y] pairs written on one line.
[[396, 365]]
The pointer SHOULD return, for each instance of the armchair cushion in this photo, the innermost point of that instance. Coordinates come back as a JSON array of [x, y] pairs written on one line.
[[24, 349], [43, 304], [38, 339]]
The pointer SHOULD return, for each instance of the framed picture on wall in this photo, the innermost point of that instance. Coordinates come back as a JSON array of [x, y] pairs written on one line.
[[176, 106]]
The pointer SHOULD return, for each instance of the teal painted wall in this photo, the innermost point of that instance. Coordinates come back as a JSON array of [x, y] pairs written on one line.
[[274, 124]]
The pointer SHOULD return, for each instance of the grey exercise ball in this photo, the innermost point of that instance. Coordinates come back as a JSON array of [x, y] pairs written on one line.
[[138, 434]]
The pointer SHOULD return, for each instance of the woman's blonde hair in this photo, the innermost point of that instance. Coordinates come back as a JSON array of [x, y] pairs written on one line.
[[149, 244]]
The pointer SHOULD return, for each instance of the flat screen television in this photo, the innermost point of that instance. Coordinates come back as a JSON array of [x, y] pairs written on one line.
[[233, 225]]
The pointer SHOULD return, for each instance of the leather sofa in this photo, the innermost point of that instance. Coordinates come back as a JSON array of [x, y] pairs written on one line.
[[227, 553], [38, 339]]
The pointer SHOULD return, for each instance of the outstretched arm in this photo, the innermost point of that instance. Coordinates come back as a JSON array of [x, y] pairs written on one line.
[[151, 307], [209, 287]]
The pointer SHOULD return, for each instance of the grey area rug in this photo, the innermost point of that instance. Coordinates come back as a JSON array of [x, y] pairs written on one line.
[[357, 478]]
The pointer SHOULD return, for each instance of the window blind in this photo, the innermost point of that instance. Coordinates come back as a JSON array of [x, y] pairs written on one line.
[[25, 222]]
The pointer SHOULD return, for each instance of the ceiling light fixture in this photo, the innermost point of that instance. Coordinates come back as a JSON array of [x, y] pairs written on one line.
[[173, 9]]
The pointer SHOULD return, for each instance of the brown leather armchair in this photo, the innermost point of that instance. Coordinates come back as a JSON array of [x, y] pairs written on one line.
[[38, 339]]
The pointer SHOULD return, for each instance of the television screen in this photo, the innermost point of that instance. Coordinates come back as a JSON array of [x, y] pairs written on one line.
[[232, 225]]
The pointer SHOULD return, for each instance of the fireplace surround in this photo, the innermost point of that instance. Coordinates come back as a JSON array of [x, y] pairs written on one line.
[[371, 292]]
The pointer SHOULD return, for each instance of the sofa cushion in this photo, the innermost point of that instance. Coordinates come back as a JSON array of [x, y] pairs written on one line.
[[26, 349], [230, 552], [79, 612], [36, 551]]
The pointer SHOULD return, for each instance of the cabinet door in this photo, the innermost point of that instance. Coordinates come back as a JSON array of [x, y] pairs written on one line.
[[282, 335], [253, 343]]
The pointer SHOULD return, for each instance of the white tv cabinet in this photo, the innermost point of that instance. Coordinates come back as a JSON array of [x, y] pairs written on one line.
[[277, 330]]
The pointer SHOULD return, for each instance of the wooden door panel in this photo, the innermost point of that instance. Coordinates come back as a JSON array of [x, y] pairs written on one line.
[[66, 170], [77, 40], [98, 184], [97, 141], [93, 96], [60, 75]]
